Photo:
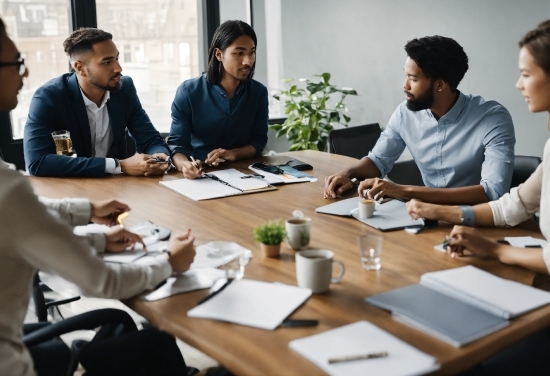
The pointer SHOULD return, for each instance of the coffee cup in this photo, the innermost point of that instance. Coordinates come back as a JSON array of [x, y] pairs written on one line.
[[366, 208], [298, 232], [314, 269]]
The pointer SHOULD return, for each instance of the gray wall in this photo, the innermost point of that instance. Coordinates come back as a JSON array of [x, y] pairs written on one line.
[[360, 42]]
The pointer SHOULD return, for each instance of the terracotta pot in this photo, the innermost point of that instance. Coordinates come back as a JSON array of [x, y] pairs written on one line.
[[270, 250]]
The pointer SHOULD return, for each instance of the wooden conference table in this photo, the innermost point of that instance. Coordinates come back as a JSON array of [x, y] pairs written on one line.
[[249, 351]]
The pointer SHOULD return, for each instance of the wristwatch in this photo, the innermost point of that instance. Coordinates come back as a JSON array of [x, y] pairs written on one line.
[[467, 217], [167, 252], [118, 169]]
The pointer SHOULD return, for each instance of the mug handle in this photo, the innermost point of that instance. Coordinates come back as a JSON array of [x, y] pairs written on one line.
[[339, 278]]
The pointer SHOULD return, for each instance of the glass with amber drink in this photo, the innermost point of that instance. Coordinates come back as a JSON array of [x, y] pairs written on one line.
[[63, 143]]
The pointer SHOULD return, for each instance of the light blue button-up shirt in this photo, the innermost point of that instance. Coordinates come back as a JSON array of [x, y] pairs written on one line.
[[471, 144]]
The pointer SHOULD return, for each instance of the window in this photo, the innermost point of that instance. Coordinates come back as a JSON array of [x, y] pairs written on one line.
[[159, 48], [38, 29]]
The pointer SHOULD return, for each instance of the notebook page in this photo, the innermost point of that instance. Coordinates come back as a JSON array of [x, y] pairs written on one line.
[[233, 177], [363, 337], [199, 189]]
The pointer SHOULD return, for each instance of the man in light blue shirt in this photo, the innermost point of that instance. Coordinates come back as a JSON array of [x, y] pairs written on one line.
[[462, 144]]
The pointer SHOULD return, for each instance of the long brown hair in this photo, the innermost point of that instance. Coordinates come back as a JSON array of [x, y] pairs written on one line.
[[537, 41]]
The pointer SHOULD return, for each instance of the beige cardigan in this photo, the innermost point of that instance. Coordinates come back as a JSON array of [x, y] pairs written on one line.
[[32, 239], [518, 205]]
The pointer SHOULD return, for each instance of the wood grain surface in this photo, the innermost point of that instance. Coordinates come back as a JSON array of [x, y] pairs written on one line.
[[249, 351]]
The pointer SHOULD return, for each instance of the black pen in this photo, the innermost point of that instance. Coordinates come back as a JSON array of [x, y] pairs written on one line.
[[207, 297], [214, 177]]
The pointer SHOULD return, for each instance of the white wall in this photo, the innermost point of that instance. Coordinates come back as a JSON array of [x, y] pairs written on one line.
[[360, 42]]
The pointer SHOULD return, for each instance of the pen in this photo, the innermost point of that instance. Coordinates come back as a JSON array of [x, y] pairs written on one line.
[[159, 160], [195, 163], [207, 297], [214, 177], [375, 355]]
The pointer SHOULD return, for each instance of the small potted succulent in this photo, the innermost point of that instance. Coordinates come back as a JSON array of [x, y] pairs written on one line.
[[270, 236]]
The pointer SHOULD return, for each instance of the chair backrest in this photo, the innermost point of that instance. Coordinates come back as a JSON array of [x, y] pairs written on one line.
[[524, 166], [406, 173], [354, 142]]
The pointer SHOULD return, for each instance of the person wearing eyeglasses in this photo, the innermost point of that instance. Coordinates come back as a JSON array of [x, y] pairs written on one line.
[[221, 115], [36, 234], [96, 104]]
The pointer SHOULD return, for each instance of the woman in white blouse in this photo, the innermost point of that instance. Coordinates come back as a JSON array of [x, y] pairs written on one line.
[[518, 205]]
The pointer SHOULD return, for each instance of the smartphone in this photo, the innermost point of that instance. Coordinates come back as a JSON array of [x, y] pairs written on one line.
[[267, 168], [292, 171]]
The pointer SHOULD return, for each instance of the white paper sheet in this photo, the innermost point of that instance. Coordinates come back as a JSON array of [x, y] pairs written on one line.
[[525, 241], [183, 282], [216, 253], [252, 303], [363, 337]]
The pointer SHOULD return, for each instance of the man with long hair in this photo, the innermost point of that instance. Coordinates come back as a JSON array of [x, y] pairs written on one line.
[[221, 115]]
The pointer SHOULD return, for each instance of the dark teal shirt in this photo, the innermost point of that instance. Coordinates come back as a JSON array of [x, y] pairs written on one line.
[[204, 118]]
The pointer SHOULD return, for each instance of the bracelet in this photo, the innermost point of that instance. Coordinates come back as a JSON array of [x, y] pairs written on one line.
[[167, 252], [467, 217]]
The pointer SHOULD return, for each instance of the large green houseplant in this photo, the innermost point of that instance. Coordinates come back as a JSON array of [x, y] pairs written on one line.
[[311, 114]]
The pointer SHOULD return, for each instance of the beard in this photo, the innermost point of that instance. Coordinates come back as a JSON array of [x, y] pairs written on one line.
[[423, 102], [111, 88]]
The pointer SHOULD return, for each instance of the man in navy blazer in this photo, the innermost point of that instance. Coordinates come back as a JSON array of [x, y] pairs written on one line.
[[95, 104]]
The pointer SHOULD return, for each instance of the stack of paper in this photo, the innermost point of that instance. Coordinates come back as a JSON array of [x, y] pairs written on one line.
[[361, 338], [252, 303]]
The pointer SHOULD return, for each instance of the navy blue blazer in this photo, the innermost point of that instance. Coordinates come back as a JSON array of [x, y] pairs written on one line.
[[58, 105]]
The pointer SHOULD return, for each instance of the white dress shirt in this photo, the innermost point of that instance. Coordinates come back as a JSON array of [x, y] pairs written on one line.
[[31, 239], [100, 130]]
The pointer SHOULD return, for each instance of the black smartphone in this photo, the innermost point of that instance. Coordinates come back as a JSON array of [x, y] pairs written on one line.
[[267, 168], [299, 165]]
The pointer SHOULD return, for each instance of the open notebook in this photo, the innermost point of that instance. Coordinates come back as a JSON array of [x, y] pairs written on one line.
[[391, 215], [218, 184], [452, 306]]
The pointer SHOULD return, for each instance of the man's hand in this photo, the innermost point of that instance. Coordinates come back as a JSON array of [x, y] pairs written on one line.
[[118, 239], [182, 251], [106, 212], [142, 164], [190, 169], [213, 158], [336, 185], [464, 238], [418, 209], [381, 188]]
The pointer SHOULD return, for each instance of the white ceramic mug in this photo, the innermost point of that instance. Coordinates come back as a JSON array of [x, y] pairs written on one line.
[[298, 232], [366, 208], [314, 269]]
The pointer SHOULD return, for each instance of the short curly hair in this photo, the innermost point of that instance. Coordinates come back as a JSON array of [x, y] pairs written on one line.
[[82, 40], [537, 42], [440, 58]]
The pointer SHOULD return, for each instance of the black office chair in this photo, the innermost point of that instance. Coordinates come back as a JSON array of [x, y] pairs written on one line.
[[524, 166], [112, 322], [354, 142], [406, 173], [42, 305]]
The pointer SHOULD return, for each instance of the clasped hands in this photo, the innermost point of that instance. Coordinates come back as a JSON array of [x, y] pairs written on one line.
[[144, 164], [118, 239], [337, 184]]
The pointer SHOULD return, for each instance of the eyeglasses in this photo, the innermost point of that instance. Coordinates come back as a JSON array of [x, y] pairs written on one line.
[[20, 63]]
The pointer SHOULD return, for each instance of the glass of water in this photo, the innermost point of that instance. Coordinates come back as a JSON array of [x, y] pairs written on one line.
[[234, 269], [370, 250]]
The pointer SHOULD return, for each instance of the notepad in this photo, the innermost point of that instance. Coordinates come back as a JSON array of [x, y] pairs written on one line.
[[253, 303], [391, 215], [229, 183], [363, 337], [460, 305]]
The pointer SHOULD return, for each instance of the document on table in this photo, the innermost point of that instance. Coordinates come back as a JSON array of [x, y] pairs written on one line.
[[216, 253], [282, 179], [391, 215], [361, 338], [253, 303], [525, 241], [224, 184], [183, 282]]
